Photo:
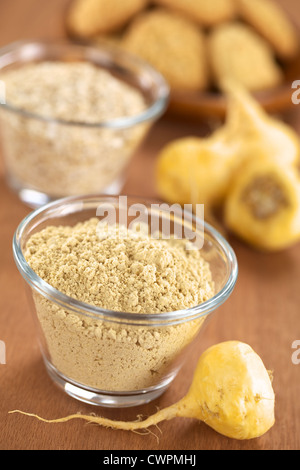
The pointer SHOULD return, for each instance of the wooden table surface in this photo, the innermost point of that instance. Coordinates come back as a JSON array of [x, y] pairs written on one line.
[[262, 311]]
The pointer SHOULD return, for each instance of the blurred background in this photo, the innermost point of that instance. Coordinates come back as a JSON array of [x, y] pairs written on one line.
[[264, 308]]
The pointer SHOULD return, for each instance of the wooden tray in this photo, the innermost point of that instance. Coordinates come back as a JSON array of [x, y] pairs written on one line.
[[213, 104]]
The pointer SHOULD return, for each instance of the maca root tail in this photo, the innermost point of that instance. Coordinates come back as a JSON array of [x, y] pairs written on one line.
[[161, 415]]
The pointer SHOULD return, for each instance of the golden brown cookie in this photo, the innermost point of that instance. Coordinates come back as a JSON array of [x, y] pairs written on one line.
[[205, 12], [174, 45], [269, 19], [237, 52], [90, 17]]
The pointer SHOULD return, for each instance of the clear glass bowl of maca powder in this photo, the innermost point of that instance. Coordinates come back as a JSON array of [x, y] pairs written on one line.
[[120, 288], [72, 117]]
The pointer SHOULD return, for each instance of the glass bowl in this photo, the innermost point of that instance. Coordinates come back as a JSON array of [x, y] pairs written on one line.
[[110, 358], [48, 158]]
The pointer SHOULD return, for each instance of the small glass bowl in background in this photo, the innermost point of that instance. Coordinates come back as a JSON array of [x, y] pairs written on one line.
[[47, 159], [109, 358]]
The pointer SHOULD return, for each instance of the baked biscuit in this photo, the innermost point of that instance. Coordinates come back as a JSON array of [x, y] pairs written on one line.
[[87, 18], [205, 12], [174, 45], [268, 18], [237, 52]]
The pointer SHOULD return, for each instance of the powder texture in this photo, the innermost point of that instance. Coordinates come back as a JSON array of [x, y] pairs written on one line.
[[59, 159], [132, 273], [135, 274], [73, 91]]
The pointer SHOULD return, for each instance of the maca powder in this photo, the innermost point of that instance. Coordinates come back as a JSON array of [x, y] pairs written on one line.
[[133, 274]]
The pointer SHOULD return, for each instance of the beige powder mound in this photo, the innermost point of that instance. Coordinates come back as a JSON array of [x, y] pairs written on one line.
[[132, 273], [135, 274], [72, 91]]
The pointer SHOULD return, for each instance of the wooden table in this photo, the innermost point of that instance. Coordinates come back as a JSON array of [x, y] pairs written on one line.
[[263, 311]]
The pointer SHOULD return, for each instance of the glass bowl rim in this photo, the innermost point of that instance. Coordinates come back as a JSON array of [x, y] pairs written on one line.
[[72, 304], [152, 112]]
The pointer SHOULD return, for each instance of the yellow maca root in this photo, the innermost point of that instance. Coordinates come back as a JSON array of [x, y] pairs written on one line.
[[201, 170], [231, 392], [254, 131], [263, 205], [193, 170]]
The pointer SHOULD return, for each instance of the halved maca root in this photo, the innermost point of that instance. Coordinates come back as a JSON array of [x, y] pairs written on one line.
[[263, 205]]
